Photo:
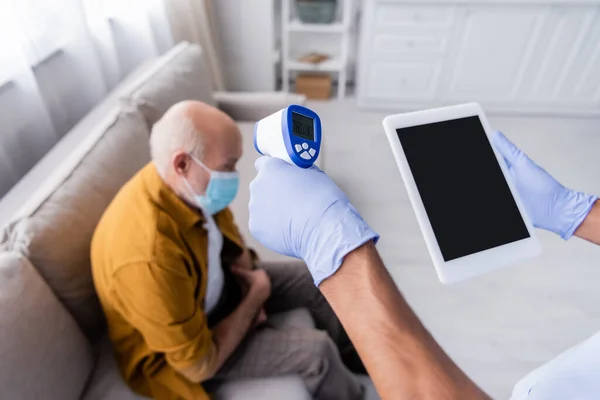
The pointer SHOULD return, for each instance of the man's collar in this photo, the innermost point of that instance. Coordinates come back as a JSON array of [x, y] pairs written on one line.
[[165, 198]]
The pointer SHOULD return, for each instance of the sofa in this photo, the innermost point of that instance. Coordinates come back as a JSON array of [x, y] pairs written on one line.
[[53, 342]]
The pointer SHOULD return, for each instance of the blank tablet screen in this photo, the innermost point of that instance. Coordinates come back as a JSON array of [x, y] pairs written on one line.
[[465, 194]]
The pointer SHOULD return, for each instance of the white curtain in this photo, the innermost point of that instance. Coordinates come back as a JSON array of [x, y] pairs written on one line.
[[194, 21], [59, 58]]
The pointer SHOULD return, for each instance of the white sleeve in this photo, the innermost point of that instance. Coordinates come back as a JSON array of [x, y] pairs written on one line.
[[575, 374]]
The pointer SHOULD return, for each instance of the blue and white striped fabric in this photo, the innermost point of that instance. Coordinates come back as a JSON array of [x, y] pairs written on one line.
[[574, 375]]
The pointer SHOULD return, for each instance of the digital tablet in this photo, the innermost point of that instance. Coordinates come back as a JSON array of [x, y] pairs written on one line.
[[467, 207]]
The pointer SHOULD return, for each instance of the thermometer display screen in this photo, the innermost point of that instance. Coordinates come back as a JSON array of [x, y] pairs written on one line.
[[303, 126]]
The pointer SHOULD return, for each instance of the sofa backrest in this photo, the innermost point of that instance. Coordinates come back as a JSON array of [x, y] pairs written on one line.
[[55, 233], [181, 74], [52, 213], [44, 354]]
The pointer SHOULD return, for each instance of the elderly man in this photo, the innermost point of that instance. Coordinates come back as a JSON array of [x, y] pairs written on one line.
[[184, 303]]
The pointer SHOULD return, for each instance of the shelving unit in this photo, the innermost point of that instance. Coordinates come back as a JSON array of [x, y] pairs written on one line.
[[338, 64]]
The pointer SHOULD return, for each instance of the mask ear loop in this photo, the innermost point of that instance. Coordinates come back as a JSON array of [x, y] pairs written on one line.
[[200, 163], [188, 185]]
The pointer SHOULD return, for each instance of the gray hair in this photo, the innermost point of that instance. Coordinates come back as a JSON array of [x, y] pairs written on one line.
[[172, 133]]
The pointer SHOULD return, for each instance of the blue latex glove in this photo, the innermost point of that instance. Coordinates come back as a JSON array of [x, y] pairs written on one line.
[[550, 205], [302, 213]]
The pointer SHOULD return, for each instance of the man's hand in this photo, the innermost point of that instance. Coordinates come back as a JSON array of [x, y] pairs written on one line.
[[244, 261], [230, 332], [550, 205], [302, 213], [259, 285]]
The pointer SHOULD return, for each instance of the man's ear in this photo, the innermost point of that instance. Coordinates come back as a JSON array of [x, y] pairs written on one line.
[[181, 163]]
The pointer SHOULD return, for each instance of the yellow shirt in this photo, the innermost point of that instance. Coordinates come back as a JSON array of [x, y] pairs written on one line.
[[149, 262]]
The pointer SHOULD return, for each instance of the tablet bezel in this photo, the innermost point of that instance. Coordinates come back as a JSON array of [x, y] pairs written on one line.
[[477, 263]]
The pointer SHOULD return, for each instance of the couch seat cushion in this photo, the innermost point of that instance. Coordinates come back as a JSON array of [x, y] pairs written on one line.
[[44, 353], [106, 382], [284, 387]]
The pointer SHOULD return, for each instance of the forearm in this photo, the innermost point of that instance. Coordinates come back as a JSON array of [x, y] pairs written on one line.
[[229, 333], [590, 227], [402, 358]]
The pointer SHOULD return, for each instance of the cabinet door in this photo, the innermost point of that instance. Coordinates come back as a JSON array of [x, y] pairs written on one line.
[[565, 66], [489, 53], [531, 58], [402, 81]]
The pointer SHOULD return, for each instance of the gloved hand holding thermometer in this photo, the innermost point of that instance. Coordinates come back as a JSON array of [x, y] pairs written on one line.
[[300, 212], [550, 205]]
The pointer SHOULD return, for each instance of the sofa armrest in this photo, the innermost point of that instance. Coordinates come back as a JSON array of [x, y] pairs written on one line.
[[253, 106]]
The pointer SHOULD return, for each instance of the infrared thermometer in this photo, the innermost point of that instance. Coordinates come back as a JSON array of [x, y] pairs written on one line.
[[292, 134]]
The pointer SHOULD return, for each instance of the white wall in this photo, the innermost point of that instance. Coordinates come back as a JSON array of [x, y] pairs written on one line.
[[246, 30]]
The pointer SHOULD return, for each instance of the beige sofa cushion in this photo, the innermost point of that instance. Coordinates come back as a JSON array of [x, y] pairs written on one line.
[[106, 382], [56, 228], [44, 355], [180, 74]]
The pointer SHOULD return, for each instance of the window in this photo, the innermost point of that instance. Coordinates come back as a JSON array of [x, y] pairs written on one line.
[[31, 31], [44, 25]]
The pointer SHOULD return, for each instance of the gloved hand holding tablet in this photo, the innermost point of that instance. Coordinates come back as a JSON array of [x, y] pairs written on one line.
[[469, 211], [550, 205]]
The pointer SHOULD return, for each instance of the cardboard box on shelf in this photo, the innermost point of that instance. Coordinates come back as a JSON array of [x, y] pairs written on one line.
[[314, 86]]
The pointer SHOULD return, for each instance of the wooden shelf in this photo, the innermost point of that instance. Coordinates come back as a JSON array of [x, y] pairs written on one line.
[[333, 65], [298, 26]]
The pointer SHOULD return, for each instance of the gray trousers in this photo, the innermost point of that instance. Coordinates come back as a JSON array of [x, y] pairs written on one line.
[[313, 354]]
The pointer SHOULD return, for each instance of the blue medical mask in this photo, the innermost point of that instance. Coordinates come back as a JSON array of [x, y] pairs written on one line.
[[220, 192]]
